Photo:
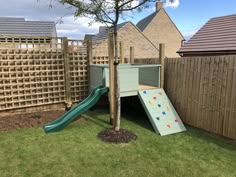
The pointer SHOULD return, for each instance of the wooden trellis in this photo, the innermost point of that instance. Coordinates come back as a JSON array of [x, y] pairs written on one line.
[[78, 70], [31, 75], [38, 71]]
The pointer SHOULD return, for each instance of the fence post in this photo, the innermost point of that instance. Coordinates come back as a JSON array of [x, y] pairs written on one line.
[[67, 73], [111, 76], [122, 53], [89, 58], [131, 54], [162, 59]]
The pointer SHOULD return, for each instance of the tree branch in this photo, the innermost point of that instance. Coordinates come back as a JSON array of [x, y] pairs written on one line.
[[122, 5], [135, 7], [104, 12]]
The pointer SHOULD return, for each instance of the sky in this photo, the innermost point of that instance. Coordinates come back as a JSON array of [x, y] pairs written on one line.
[[188, 15]]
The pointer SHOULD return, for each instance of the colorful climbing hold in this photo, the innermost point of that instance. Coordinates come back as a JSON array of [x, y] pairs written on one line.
[[164, 113], [145, 92], [168, 108], [154, 98], [159, 105], [150, 102], [160, 93], [168, 125], [176, 120], [158, 118]]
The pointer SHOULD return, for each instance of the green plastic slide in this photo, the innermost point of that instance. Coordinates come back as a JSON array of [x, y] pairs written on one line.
[[77, 110]]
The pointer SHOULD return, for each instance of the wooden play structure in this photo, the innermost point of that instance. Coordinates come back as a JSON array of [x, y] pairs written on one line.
[[133, 77], [143, 81], [146, 82]]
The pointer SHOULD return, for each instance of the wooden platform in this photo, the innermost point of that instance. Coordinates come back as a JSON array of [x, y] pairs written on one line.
[[135, 92], [146, 87], [132, 78]]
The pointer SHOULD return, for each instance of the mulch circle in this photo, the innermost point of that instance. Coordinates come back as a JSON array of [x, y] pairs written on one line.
[[112, 136]]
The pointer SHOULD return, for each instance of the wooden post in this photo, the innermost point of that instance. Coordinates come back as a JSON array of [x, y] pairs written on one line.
[[67, 73], [122, 59], [111, 76], [89, 58], [162, 60], [131, 54]]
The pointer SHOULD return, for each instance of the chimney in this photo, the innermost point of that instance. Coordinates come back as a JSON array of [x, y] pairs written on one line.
[[159, 5]]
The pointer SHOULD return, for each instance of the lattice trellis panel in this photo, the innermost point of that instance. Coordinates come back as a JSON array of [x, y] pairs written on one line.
[[33, 71], [78, 70], [100, 53], [31, 75], [100, 60]]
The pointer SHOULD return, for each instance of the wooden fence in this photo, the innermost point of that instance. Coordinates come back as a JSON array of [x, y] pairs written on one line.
[[37, 71], [203, 91], [146, 61], [31, 72]]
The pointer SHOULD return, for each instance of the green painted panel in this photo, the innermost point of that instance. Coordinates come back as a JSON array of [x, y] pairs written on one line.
[[149, 76], [96, 77], [129, 65], [161, 112], [130, 93], [128, 79]]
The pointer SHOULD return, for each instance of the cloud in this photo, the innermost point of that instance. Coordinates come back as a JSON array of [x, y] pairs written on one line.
[[76, 27], [173, 4], [189, 33], [40, 10]]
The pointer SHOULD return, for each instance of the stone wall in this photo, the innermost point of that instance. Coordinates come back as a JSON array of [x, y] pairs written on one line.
[[162, 30], [130, 36]]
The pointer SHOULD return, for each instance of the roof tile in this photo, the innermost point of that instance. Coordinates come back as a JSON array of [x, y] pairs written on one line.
[[20, 27], [142, 24], [217, 34]]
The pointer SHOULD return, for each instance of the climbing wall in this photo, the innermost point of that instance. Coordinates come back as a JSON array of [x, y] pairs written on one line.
[[160, 111]]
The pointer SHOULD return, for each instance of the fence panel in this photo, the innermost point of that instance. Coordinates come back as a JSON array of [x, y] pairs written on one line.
[[36, 71], [78, 69], [203, 91], [31, 72]]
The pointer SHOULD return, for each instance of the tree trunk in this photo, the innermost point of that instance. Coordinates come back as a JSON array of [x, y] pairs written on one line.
[[117, 84]]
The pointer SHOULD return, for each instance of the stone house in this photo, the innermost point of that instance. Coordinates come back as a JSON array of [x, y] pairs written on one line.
[[159, 28], [130, 35], [144, 37], [216, 37]]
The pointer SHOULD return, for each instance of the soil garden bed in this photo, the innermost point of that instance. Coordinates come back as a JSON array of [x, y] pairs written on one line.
[[28, 120], [38, 119]]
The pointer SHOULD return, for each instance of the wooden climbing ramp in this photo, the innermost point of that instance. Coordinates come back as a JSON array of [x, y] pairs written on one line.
[[161, 112]]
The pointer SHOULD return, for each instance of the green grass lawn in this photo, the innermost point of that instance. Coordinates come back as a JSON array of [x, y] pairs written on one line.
[[76, 152]]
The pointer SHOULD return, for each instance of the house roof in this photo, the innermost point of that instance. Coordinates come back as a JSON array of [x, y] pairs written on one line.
[[218, 34], [88, 36], [102, 35], [142, 24], [21, 27]]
